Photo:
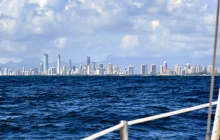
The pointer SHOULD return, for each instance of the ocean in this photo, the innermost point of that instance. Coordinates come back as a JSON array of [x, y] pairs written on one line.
[[74, 107]]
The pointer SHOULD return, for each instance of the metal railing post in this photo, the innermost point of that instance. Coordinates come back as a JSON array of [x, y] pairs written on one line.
[[124, 131]]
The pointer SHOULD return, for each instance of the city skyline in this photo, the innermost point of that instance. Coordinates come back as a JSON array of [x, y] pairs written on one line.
[[92, 68], [155, 28]]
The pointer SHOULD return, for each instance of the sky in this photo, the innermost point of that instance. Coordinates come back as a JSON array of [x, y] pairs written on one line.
[[102, 28]]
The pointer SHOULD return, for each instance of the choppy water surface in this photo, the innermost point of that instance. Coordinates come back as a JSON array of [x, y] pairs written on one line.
[[76, 107]]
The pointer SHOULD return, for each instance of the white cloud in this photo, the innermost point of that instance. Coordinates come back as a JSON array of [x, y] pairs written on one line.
[[11, 7], [172, 4], [7, 26], [60, 42], [129, 41], [41, 3], [139, 4], [155, 24]]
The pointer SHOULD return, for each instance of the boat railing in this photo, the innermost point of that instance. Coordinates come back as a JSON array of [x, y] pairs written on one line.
[[123, 125]]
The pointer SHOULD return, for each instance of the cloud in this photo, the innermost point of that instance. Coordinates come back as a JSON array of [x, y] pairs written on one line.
[[156, 27], [60, 42], [7, 26], [7, 46], [138, 4], [129, 41], [172, 4], [155, 24]]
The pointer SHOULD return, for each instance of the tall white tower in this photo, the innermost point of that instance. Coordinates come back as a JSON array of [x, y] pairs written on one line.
[[58, 65], [45, 63]]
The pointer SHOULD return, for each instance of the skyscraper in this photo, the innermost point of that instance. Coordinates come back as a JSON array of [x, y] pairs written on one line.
[[153, 69], [143, 69], [161, 69], [45, 63], [130, 70], [64, 70], [41, 68], [80, 69], [58, 65], [110, 68], [116, 69], [164, 67], [176, 69], [5, 71], [187, 68], [92, 70], [70, 64], [88, 60]]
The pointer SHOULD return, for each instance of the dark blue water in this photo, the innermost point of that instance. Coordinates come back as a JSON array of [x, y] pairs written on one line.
[[76, 107]]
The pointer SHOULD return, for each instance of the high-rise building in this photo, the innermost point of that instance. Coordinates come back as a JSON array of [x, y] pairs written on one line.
[[193, 70], [91, 68], [161, 69], [5, 71], [41, 69], [204, 69], [110, 68], [74, 68], [64, 72], [45, 63], [23, 71], [209, 69], [130, 70], [153, 69], [88, 60], [70, 64], [116, 69], [176, 69], [179, 70], [125, 72], [183, 72], [17, 72], [80, 69], [144, 69], [164, 66], [198, 69], [187, 68], [52, 71], [58, 65], [218, 70]]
